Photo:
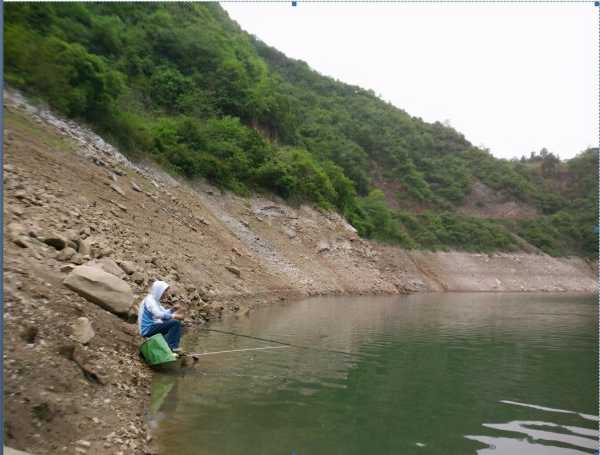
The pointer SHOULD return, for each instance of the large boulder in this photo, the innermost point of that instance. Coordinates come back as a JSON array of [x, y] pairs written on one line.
[[109, 266], [104, 289]]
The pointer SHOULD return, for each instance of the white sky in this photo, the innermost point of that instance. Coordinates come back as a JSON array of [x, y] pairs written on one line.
[[510, 78]]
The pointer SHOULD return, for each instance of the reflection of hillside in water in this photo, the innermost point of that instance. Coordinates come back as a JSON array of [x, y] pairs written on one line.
[[428, 370], [454, 323]]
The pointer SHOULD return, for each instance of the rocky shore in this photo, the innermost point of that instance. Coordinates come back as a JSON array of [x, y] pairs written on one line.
[[85, 233]]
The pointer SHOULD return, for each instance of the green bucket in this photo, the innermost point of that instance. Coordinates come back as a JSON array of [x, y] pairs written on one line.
[[156, 351]]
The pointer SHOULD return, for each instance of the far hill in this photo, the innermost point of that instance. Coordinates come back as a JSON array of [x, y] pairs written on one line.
[[184, 85]]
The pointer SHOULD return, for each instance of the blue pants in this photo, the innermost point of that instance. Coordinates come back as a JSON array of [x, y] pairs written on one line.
[[170, 329]]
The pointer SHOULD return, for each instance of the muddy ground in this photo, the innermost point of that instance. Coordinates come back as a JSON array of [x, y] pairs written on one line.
[[73, 382]]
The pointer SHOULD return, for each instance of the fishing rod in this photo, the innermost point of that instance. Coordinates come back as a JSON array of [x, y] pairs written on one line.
[[291, 345], [198, 354]]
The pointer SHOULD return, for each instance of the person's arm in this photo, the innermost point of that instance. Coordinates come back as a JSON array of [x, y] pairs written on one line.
[[158, 311]]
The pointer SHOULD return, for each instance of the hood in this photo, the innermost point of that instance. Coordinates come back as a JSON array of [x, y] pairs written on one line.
[[158, 289]]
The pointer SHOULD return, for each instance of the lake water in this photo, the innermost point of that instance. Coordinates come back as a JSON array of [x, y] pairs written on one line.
[[424, 374]]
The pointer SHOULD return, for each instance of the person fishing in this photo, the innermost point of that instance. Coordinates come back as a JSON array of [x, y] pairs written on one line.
[[153, 318]]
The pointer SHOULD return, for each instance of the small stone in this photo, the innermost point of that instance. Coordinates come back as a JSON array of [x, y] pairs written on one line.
[[66, 254], [78, 259], [323, 246], [138, 278], [135, 187], [18, 211], [82, 330], [85, 247], [67, 268], [234, 270], [117, 189], [84, 443], [22, 194], [128, 267], [121, 206], [21, 241]]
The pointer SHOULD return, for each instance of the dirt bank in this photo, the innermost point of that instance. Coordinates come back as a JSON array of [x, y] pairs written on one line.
[[73, 381]]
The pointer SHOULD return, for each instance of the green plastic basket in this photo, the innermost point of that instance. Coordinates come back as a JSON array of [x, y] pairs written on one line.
[[156, 351]]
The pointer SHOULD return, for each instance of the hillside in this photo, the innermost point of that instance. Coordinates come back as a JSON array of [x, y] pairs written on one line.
[[184, 86], [71, 199]]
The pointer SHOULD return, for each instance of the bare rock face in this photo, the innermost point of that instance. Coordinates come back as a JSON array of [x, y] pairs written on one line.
[[102, 288], [82, 330]]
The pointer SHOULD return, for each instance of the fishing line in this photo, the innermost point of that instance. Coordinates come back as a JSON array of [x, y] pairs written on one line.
[[198, 354], [309, 348]]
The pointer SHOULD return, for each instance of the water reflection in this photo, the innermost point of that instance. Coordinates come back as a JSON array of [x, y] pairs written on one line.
[[427, 370]]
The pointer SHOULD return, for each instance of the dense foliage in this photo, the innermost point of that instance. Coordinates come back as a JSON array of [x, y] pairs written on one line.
[[182, 83]]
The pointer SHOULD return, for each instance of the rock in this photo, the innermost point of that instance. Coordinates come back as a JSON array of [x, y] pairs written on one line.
[[290, 233], [121, 206], [109, 266], [82, 330], [79, 259], [323, 246], [15, 231], [22, 241], [117, 189], [234, 270], [85, 247], [18, 211], [135, 187], [102, 288], [138, 278], [67, 268], [66, 254], [98, 162], [128, 267], [55, 240], [22, 195], [236, 251], [85, 232]]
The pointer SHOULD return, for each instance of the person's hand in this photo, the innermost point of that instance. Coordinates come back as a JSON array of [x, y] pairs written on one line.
[[177, 315]]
